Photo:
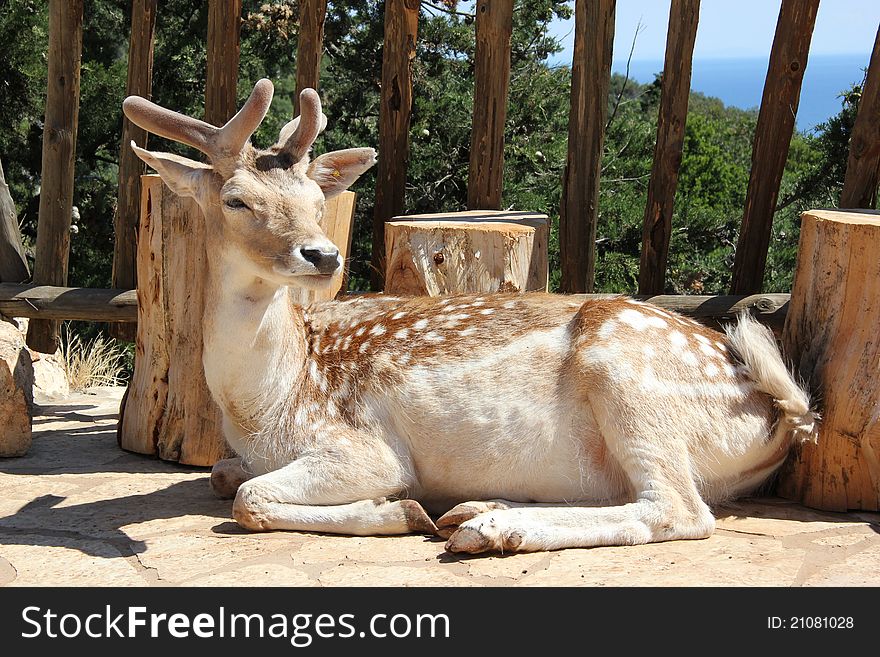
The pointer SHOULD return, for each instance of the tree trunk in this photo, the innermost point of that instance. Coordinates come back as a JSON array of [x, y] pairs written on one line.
[[398, 51], [224, 49], [863, 164], [131, 168], [657, 227], [831, 334], [474, 251], [590, 77], [168, 410], [309, 46], [491, 80], [59, 150], [779, 103], [13, 264]]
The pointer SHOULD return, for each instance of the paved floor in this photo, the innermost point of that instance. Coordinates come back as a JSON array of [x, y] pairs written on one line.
[[79, 511]]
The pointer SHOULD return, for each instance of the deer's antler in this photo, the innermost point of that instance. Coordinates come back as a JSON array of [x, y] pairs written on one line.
[[216, 143]]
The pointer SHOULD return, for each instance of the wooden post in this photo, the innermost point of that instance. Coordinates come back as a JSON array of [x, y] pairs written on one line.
[[863, 165], [657, 228], [224, 48], [831, 334], [309, 46], [131, 168], [460, 252], [782, 88], [13, 264], [168, 410], [401, 28], [59, 150], [491, 81], [590, 78]]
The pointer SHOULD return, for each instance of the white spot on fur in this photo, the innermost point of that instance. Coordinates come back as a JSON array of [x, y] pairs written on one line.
[[468, 331], [364, 346], [398, 315], [711, 369], [378, 329], [639, 321], [701, 338], [649, 351], [402, 334], [608, 329], [432, 336], [419, 325], [721, 346], [487, 311], [313, 370], [360, 331], [677, 338], [458, 317], [508, 304], [689, 357], [710, 351]]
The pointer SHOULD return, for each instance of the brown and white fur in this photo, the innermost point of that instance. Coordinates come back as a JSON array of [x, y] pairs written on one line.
[[534, 421]]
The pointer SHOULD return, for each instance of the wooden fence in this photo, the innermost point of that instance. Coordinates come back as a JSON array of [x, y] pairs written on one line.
[[591, 70]]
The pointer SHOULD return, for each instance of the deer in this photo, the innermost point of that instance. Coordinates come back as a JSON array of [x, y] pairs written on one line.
[[505, 422]]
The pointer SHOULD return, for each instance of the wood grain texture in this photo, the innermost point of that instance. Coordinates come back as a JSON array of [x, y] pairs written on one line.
[[309, 46], [77, 303], [831, 334], [398, 51], [59, 150], [13, 263], [131, 168], [590, 78], [491, 81], [169, 411], [224, 50], [475, 251], [776, 120], [657, 227], [863, 164]]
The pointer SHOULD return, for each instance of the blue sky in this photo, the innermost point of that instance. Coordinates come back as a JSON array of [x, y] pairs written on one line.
[[735, 28]]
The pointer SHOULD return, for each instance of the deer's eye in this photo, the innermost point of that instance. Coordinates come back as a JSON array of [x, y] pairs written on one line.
[[236, 204]]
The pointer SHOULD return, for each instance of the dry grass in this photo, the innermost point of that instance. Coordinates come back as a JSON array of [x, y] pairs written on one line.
[[98, 362]]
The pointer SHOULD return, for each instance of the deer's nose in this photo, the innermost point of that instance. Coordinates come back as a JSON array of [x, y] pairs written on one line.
[[326, 262]]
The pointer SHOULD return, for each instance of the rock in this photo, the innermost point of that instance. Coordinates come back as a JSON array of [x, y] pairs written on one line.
[[16, 392], [50, 379]]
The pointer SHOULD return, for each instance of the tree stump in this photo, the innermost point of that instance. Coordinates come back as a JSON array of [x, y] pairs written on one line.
[[473, 251], [832, 335], [168, 410]]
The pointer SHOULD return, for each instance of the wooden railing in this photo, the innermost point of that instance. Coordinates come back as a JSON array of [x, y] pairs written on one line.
[[594, 30]]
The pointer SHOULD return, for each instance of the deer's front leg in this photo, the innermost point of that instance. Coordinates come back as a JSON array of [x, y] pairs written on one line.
[[334, 490]]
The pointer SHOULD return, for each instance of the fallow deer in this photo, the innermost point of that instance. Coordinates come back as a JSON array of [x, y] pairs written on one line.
[[534, 421]]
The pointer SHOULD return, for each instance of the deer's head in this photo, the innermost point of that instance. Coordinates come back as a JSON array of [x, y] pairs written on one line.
[[264, 204]]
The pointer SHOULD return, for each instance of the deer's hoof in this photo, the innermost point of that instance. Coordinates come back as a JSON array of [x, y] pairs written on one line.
[[461, 513], [417, 519], [483, 535]]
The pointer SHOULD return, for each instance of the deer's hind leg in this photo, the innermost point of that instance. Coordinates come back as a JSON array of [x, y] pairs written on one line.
[[666, 505], [335, 490]]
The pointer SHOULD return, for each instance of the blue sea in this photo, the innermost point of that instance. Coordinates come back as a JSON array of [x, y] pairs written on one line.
[[740, 82]]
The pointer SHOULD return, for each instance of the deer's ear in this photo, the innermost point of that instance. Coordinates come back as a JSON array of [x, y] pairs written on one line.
[[183, 176], [336, 171]]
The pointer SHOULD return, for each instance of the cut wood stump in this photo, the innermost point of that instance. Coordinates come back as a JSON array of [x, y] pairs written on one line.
[[168, 410], [832, 334], [460, 252]]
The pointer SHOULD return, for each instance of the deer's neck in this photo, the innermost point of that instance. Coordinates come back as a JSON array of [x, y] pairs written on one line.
[[254, 343]]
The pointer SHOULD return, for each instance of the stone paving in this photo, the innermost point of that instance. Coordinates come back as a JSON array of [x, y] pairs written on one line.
[[79, 511]]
